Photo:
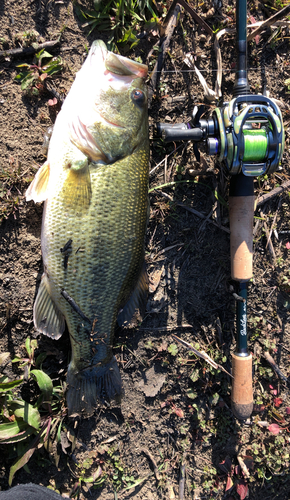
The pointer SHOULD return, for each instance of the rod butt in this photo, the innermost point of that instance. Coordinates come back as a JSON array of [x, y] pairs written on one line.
[[242, 388]]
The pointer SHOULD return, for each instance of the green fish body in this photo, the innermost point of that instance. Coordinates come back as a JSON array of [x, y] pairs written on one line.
[[95, 186]]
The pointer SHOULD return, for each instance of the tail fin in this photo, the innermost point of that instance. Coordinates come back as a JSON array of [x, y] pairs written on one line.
[[88, 386]]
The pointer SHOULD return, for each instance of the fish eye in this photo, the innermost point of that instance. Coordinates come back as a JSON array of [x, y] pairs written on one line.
[[138, 96]]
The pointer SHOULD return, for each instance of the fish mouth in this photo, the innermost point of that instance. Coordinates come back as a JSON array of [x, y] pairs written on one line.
[[116, 64]]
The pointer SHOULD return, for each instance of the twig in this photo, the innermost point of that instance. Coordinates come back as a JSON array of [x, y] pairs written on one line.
[[192, 210], [166, 328], [155, 76], [270, 360], [74, 305], [219, 330], [169, 248], [165, 169], [25, 51], [243, 467], [271, 248], [201, 354], [181, 481], [273, 223], [210, 95], [155, 468], [268, 22], [192, 12], [199, 214], [167, 156], [267, 196], [67, 246], [238, 298]]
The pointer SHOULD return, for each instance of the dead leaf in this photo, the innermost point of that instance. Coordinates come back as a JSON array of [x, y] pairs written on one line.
[[52, 102], [274, 429], [178, 411], [154, 279], [249, 461], [278, 402], [242, 490], [226, 465], [152, 383], [163, 346], [229, 484]]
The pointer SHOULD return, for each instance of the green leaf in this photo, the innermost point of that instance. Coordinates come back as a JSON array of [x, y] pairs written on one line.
[[194, 375], [22, 409], [11, 429], [54, 66], [42, 55], [59, 431], [28, 346], [5, 386], [44, 383], [40, 358], [23, 460], [21, 436], [27, 81], [173, 349], [16, 359], [191, 394], [25, 65]]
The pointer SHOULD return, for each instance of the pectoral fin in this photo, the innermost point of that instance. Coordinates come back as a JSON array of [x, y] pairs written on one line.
[[137, 300], [77, 189], [38, 189], [47, 317]]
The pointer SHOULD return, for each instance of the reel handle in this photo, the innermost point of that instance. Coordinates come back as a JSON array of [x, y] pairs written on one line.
[[180, 132], [241, 203]]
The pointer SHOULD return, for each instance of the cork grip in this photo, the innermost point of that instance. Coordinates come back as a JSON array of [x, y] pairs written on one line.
[[242, 388], [241, 210]]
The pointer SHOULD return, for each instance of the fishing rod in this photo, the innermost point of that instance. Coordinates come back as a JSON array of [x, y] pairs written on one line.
[[247, 136]]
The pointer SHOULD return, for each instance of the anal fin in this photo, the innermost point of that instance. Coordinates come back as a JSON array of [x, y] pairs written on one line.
[[137, 299], [47, 317]]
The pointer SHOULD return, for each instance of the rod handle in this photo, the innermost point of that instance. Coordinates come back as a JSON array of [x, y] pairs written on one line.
[[241, 210], [242, 386]]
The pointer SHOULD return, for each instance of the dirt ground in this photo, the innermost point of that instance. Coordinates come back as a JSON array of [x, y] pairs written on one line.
[[175, 406]]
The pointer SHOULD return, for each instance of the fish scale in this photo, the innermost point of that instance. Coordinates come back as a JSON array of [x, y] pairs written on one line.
[[93, 232]]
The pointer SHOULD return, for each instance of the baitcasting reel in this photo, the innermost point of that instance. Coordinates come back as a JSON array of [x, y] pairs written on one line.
[[247, 134]]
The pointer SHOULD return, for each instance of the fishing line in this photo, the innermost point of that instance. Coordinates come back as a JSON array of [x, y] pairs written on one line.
[[255, 144], [216, 70]]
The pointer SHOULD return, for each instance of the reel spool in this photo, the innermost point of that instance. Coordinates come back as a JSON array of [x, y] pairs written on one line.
[[250, 135]]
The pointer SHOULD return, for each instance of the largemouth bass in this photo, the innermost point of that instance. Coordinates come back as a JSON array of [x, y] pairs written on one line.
[[95, 187]]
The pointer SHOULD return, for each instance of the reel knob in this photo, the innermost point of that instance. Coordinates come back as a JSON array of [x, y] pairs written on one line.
[[212, 146]]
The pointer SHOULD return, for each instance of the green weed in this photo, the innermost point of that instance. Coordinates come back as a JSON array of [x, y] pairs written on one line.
[[32, 76], [28, 426], [12, 182], [121, 17]]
